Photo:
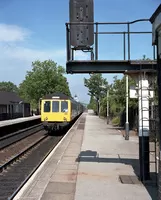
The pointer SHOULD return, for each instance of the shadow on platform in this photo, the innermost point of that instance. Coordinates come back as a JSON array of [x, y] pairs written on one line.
[[116, 128], [93, 156]]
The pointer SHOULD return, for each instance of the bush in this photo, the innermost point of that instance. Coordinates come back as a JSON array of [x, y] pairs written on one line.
[[116, 121]]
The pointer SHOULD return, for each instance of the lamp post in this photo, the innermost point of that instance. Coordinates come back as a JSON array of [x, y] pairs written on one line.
[[107, 106], [99, 106], [107, 95], [127, 110]]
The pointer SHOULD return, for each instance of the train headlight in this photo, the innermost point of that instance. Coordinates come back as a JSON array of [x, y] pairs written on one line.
[[45, 119]]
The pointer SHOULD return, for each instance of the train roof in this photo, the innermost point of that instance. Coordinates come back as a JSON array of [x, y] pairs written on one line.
[[58, 94], [61, 97]]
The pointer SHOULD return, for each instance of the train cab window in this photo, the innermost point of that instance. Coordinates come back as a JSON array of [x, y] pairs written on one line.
[[64, 106], [55, 106], [47, 106]]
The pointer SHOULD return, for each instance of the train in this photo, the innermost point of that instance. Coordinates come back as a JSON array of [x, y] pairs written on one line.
[[58, 111]]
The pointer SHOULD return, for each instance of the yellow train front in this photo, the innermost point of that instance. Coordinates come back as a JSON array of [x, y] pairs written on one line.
[[58, 111]]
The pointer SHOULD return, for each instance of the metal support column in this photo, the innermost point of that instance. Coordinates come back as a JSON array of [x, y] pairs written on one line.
[[107, 105], [99, 107], [127, 110], [156, 40], [127, 89], [144, 127], [159, 101]]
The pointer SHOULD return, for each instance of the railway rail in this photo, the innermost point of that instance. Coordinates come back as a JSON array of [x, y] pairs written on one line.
[[11, 153], [19, 168], [12, 138], [16, 174]]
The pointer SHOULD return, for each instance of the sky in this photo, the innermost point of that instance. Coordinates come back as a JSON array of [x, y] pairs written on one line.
[[35, 30]]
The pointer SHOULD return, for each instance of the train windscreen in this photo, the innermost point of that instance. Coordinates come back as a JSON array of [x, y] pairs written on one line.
[[47, 106], [55, 106], [64, 106]]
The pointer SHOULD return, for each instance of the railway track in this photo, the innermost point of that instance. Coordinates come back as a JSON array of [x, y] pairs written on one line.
[[13, 149], [27, 156], [19, 168], [15, 137], [12, 152], [22, 166]]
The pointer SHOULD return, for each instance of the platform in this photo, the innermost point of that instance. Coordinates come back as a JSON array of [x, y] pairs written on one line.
[[92, 162], [108, 66], [18, 120]]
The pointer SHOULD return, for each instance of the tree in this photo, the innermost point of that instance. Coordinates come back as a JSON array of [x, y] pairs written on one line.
[[44, 78], [117, 96], [94, 84], [8, 87], [92, 104], [145, 58], [95, 89]]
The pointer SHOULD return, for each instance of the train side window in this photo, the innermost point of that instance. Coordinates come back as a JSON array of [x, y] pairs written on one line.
[[47, 106], [64, 106], [55, 106]]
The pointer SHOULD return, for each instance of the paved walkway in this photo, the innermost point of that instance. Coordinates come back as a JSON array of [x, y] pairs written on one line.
[[18, 120], [107, 155], [88, 165]]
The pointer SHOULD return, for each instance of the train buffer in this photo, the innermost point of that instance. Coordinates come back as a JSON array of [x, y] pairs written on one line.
[[93, 161]]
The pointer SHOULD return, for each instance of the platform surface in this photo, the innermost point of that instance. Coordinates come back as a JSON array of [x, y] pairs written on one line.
[[18, 120], [87, 165]]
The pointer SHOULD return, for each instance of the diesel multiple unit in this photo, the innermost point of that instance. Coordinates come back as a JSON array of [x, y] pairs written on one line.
[[59, 110]]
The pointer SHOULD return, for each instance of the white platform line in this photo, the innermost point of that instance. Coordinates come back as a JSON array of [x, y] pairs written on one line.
[[19, 194]]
